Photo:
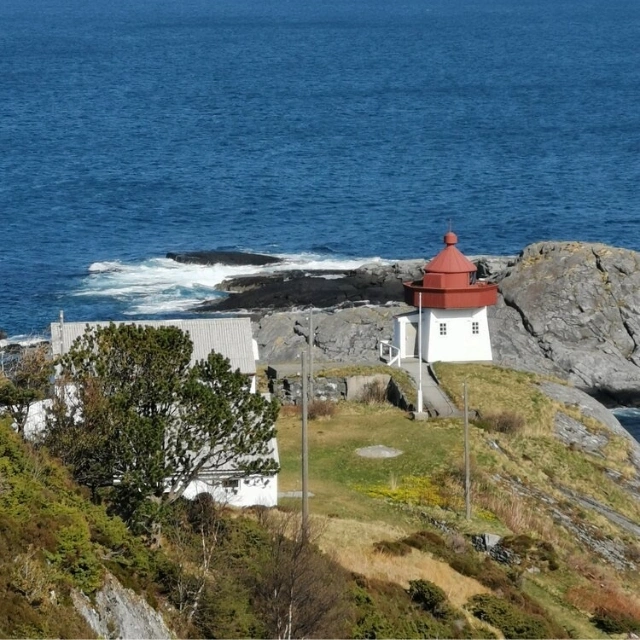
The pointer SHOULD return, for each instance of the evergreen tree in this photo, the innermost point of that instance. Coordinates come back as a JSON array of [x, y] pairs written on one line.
[[25, 382], [131, 413]]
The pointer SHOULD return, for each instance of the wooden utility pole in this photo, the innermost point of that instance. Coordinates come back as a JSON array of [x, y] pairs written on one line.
[[305, 451], [467, 470]]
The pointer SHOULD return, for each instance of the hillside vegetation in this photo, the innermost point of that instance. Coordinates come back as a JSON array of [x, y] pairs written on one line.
[[566, 515], [390, 552], [219, 572]]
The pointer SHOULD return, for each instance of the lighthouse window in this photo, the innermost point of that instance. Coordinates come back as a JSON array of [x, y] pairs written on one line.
[[443, 328], [475, 328]]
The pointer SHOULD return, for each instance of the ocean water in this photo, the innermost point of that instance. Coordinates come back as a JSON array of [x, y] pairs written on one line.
[[630, 419], [331, 133]]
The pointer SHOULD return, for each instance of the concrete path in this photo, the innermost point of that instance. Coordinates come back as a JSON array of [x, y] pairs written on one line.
[[434, 398]]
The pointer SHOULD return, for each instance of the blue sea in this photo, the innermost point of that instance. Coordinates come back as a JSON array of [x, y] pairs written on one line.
[[330, 133]]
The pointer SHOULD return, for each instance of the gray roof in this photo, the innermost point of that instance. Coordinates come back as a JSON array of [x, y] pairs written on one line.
[[231, 337]]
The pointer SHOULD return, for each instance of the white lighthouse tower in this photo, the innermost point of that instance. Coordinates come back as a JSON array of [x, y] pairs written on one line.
[[450, 323]]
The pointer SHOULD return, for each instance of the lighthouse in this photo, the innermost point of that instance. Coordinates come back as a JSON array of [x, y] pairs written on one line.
[[450, 322]]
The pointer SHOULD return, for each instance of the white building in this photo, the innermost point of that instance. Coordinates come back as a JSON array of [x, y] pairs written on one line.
[[231, 337], [451, 311]]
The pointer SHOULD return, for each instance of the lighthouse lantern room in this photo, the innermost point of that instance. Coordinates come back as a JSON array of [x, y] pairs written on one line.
[[451, 308]]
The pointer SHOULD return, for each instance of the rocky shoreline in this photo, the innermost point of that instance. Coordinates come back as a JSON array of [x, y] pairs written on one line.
[[567, 309]]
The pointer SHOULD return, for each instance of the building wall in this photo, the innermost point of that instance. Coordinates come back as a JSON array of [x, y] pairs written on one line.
[[251, 491], [456, 335], [405, 334], [459, 344]]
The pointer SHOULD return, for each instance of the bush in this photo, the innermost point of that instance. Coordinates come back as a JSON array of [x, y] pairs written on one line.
[[513, 622], [428, 595], [425, 541], [374, 392], [468, 564], [392, 548], [536, 552], [508, 422], [612, 621], [321, 409]]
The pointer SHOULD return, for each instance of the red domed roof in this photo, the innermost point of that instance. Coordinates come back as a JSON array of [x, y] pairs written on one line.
[[450, 260]]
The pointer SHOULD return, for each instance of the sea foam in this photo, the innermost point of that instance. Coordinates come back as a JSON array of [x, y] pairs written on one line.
[[160, 286]]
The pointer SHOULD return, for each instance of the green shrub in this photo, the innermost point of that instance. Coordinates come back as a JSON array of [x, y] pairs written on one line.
[[75, 555], [513, 622], [612, 621], [428, 628], [427, 594]]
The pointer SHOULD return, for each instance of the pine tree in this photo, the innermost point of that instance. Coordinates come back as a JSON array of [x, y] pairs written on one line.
[[132, 414]]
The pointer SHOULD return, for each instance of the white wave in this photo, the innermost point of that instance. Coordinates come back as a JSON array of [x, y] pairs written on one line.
[[100, 267], [315, 262], [161, 306], [626, 412], [161, 286], [23, 340]]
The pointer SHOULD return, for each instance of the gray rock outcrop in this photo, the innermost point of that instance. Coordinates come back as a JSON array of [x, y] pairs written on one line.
[[117, 612], [342, 335], [223, 257], [566, 309], [573, 309], [573, 432], [373, 283]]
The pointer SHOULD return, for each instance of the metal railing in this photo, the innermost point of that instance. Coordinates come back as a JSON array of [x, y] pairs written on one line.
[[389, 353]]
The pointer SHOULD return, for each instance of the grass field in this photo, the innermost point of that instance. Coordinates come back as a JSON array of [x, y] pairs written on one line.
[[359, 501], [342, 481]]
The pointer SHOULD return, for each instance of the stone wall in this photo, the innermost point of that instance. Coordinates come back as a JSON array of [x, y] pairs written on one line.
[[287, 387]]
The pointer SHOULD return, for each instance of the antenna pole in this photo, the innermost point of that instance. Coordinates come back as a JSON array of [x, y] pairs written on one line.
[[62, 350], [420, 403], [467, 470], [311, 341], [305, 452]]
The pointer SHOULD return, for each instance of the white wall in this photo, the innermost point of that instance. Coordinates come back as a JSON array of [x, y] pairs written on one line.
[[253, 490], [401, 330], [36, 420], [459, 344]]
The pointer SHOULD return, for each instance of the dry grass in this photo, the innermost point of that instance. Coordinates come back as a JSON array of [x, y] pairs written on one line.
[[617, 451], [321, 409], [374, 393], [509, 422], [520, 516], [262, 381], [607, 596], [351, 544], [318, 409], [494, 390]]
